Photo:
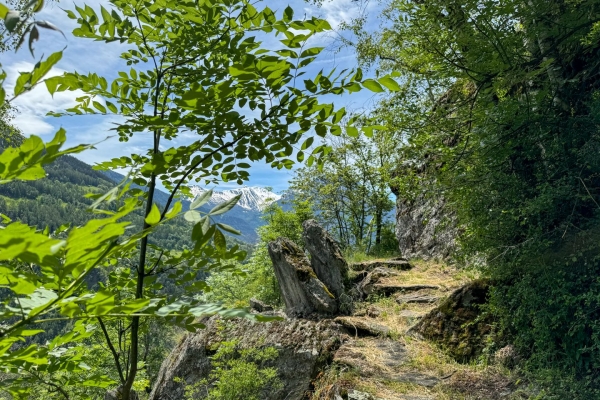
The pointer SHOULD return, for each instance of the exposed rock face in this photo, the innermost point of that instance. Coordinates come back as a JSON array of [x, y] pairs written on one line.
[[454, 323], [365, 287], [380, 281], [326, 257], [425, 228], [302, 292], [417, 298], [303, 348]]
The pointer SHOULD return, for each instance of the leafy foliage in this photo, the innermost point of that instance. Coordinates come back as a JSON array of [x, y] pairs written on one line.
[[351, 189], [499, 111], [197, 70], [238, 374]]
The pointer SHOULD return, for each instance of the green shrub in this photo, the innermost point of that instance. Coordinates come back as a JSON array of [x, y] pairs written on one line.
[[237, 374]]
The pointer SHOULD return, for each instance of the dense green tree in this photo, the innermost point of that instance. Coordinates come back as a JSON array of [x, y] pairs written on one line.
[[351, 189], [499, 108]]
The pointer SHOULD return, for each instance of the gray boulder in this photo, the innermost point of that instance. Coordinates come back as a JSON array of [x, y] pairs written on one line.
[[458, 324], [303, 293], [326, 258], [303, 346]]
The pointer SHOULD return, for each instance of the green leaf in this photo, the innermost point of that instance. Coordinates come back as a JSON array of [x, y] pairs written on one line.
[[220, 243], [288, 14], [192, 216], [201, 199], [11, 19], [48, 25], [99, 107], [174, 211], [154, 217], [307, 143], [311, 52], [389, 83], [33, 36], [225, 206], [372, 85], [38, 6], [352, 131], [3, 11], [229, 229], [337, 117]]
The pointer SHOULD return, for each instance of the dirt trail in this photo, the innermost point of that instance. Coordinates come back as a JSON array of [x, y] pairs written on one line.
[[382, 361]]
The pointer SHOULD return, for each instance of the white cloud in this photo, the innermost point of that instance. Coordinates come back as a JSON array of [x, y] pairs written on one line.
[[338, 11], [35, 104]]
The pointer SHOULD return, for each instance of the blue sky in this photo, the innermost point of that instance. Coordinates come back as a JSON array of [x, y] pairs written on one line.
[[84, 55]]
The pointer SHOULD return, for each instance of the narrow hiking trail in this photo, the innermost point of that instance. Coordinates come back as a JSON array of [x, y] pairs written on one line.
[[383, 360]]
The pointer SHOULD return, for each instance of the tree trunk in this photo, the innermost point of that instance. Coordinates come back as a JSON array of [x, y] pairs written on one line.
[[378, 225]]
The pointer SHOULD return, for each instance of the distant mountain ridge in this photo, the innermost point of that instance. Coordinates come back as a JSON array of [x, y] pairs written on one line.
[[253, 198], [246, 216]]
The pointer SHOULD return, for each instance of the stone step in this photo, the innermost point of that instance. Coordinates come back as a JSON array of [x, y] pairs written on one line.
[[396, 264], [389, 288], [411, 317], [362, 326], [417, 298]]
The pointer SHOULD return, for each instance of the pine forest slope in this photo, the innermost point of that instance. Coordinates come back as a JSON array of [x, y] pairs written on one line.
[[60, 198]]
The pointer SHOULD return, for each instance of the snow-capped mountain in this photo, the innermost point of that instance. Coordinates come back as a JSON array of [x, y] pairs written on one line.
[[252, 198], [247, 214]]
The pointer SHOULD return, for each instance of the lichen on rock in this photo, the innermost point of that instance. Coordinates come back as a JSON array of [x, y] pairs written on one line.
[[457, 324]]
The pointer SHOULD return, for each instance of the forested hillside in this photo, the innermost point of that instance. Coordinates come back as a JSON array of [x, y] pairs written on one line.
[[60, 197]]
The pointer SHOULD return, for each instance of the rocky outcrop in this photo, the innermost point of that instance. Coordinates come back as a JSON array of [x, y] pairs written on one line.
[[425, 228], [303, 293], [380, 281], [365, 286], [417, 298], [303, 347], [326, 258], [456, 324]]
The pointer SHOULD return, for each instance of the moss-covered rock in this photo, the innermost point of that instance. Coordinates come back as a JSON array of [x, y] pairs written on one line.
[[457, 324], [303, 348]]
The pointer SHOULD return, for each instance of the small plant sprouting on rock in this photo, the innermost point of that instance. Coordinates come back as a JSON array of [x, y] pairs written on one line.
[[237, 374]]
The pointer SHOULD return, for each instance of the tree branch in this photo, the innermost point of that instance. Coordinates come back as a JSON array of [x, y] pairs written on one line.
[[114, 352]]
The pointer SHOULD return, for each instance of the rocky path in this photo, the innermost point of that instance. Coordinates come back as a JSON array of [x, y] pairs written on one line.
[[383, 358]]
